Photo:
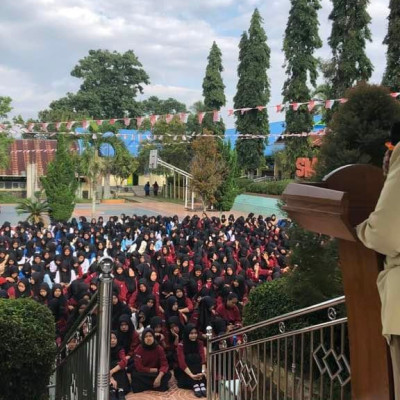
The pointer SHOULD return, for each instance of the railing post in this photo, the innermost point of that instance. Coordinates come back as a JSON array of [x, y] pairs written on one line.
[[104, 329], [208, 352]]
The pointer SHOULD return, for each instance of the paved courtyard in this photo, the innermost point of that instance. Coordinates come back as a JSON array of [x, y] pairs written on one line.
[[150, 206]]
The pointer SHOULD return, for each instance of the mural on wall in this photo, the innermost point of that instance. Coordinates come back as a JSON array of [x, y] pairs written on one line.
[[305, 167]]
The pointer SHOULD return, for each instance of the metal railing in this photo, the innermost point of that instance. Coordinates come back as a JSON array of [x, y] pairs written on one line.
[[83, 359], [300, 355], [77, 358]]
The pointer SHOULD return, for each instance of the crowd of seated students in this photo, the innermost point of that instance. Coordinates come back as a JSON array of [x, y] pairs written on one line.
[[172, 279]]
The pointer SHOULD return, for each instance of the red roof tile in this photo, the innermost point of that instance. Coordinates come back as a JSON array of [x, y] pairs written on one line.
[[25, 151]]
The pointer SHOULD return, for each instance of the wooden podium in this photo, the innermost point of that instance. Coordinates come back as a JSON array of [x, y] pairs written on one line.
[[334, 207]]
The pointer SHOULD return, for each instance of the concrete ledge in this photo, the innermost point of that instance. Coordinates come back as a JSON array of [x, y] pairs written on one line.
[[113, 201]]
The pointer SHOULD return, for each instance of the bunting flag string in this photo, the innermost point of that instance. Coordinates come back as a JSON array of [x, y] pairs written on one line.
[[183, 116]]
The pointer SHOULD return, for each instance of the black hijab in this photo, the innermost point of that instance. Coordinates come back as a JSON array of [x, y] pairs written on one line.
[[191, 347], [146, 346], [205, 315], [125, 338]]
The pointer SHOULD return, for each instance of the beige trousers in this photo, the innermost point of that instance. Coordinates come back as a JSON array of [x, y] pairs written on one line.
[[395, 354]]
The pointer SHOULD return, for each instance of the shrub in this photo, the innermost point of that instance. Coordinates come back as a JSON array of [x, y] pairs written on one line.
[[273, 188], [27, 349], [266, 301]]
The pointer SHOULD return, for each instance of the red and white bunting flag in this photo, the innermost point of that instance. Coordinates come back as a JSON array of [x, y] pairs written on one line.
[[112, 121], [215, 116], [85, 124], [168, 118], [311, 105], [153, 119], [395, 94], [139, 121], [260, 108], [183, 117], [278, 108], [200, 117], [44, 126], [99, 122], [127, 121], [69, 124], [343, 100], [329, 104], [295, 106], [30, 126], [230, 112], [244, 110]]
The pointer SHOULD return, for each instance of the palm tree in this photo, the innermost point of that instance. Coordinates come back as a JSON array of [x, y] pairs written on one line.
[[95, 167], [36, 209]]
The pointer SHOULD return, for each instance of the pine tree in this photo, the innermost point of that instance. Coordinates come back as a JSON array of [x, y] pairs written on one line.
[[213, 91], [349, 34], [60, 183], [253, 90], [300, 42], [391, 77]]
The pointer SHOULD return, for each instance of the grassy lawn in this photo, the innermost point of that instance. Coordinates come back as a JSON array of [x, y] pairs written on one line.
[[8, 198]]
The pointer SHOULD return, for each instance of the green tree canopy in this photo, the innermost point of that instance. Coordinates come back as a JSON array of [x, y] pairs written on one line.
[[111, 81], [350, 31], [213, 90], [207, 168], [391, 77], [60, 182], [253, 90], [156, 106], [359, 129], [300, 42], [5, 106]]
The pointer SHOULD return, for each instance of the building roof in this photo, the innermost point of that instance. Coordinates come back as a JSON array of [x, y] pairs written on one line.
[[29, 151]]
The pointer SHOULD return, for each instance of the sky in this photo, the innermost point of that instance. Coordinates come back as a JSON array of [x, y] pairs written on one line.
[[42, 40]]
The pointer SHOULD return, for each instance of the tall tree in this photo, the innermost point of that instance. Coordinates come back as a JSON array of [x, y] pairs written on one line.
[[349, 34], [300, 42], [213, 91], [60, 182], [253, 90], [111, 81], [391, 78], [207, 168]]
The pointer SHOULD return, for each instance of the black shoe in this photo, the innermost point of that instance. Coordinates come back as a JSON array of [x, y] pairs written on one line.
[[197, 391], [113, 395], [121, 395], [203, 390]]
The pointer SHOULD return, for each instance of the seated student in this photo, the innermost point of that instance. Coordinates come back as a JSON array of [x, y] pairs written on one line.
[[173, 337], [118, 378], [127, 336], [229, 311], [191, 360], [151, 366], [156, 323]]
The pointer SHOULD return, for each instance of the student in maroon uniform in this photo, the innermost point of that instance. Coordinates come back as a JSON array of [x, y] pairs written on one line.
[[191, 361], [151, 366]]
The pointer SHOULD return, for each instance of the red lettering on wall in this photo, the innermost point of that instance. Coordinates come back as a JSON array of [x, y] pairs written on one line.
[[305, 167]]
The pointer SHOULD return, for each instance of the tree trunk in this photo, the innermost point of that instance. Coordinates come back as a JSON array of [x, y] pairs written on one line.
[[106, 189], [93, 198]]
